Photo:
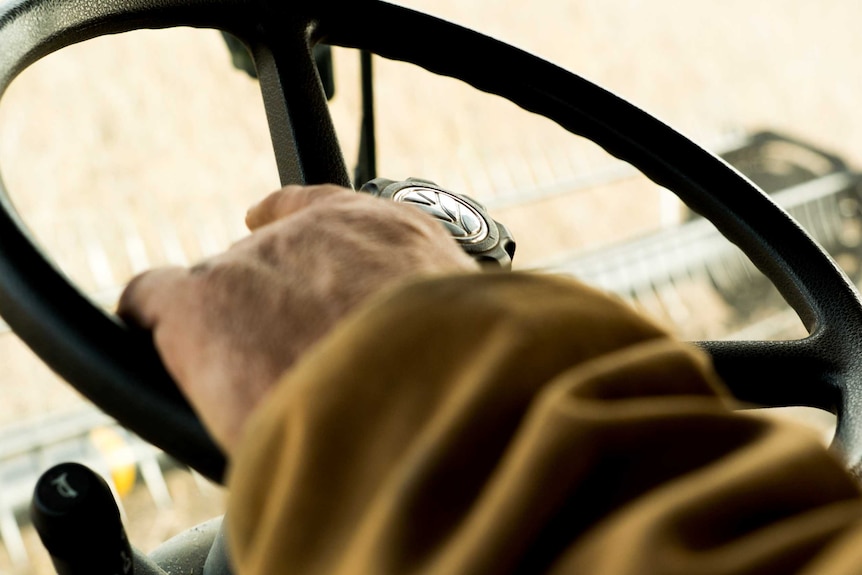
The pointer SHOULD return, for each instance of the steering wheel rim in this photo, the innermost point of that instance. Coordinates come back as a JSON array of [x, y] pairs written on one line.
[[118, 369]]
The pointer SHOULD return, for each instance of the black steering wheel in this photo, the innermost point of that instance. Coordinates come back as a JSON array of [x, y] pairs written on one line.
[[119, 370]]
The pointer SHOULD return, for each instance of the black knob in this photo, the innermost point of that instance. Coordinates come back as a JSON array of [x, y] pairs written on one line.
[[79, 523]]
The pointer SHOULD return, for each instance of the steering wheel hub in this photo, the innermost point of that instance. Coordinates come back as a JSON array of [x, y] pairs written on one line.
[[488, 241], [465, 223]]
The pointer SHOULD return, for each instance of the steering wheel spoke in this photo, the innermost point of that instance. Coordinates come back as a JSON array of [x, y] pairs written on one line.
[[776, 373], [303, 136]]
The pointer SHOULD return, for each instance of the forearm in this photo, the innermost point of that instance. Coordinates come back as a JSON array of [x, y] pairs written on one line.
[[473, 424]]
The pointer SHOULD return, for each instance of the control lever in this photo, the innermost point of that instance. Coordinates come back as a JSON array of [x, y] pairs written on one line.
[[485, 239], [79, 523]]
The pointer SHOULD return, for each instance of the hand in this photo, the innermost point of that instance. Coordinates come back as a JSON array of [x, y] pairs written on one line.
[[230, 326]]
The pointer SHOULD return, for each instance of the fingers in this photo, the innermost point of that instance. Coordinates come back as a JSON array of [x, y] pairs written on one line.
[[148, 297], [290, 200]]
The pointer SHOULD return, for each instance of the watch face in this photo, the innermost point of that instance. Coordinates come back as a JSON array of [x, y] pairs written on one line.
[[465, 223]]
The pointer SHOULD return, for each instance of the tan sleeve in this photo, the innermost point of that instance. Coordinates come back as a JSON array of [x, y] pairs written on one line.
[[525, 424]]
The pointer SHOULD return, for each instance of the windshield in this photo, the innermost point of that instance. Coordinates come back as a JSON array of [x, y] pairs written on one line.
[[146, 149]]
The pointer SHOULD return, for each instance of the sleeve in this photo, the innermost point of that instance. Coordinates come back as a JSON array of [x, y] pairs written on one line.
[[514, 423]]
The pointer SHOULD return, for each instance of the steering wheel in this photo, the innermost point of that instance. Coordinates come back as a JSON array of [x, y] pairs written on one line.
[[118, 368]]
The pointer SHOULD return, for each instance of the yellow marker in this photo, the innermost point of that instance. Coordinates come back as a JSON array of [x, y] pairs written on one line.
[[118, 455]]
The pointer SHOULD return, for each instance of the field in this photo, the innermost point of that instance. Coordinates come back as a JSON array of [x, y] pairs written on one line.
[[145, 149]]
